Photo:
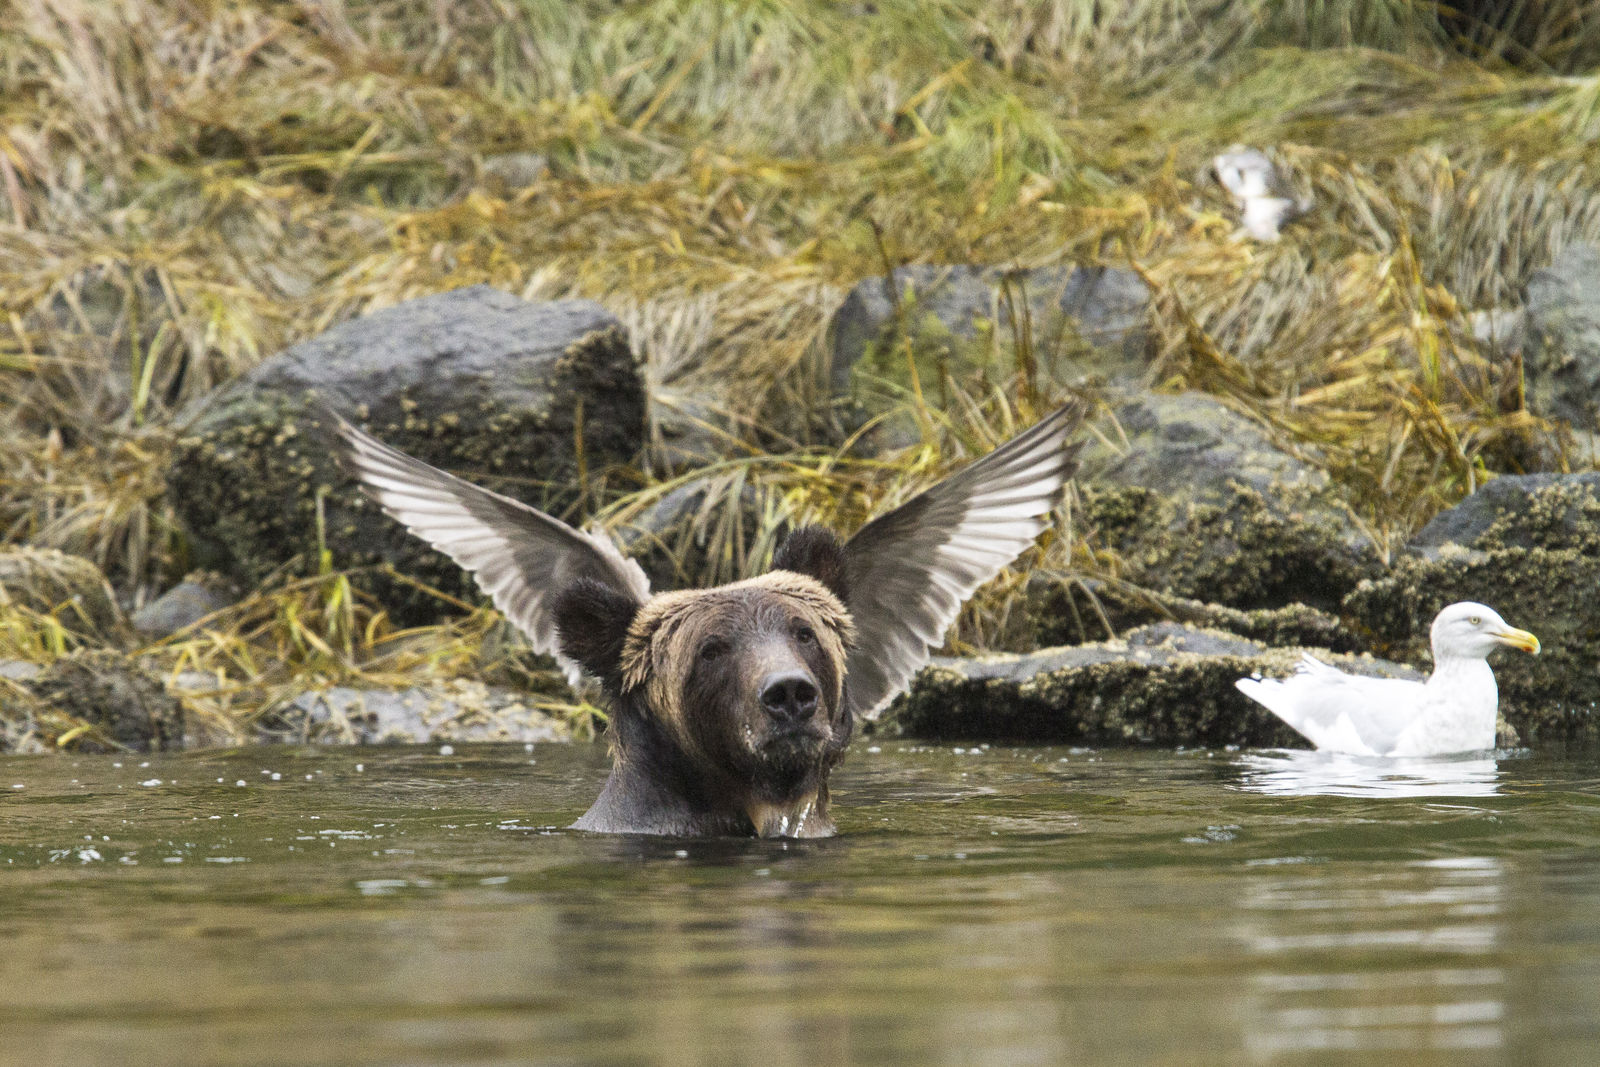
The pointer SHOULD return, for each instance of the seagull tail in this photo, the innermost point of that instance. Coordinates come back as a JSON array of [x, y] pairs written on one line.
[[1276, 697]]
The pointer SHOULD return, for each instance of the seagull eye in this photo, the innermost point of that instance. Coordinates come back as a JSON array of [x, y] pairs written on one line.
[[1476, 621]]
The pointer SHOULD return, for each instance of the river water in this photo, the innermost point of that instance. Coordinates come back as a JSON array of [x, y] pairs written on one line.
[[981, 906]]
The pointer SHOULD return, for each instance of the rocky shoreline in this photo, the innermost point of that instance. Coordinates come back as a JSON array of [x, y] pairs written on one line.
[[1232, 552]]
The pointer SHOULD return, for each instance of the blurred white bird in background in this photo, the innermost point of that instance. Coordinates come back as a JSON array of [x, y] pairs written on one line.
[[1264, 198]]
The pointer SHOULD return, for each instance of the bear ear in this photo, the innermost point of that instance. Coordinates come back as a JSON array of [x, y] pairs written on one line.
[[815, 552], [592, 621]]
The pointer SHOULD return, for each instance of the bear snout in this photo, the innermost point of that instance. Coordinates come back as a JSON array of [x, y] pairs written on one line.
[[789, 696]]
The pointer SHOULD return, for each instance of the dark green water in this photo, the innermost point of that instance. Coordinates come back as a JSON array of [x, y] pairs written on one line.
[[996, 907]]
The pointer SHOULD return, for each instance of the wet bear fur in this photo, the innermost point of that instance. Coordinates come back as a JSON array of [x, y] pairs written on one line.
[[728, 706]]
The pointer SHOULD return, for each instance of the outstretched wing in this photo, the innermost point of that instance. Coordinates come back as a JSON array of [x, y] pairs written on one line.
[[520, 556], [1339, 712], [908, 572]]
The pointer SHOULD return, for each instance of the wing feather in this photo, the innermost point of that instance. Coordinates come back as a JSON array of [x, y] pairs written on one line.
[[908, 572], [1337, 711], [520, 556]]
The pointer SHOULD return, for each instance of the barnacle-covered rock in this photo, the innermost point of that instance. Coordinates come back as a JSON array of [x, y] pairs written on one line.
[[1165, 684], [1198, 502], [527, 398]]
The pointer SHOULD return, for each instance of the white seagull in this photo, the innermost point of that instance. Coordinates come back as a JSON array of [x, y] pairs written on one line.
[[1264, 199], [1453, 711]]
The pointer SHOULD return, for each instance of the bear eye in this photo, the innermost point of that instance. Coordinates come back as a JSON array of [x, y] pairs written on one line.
[[713, 648], [805, 634]]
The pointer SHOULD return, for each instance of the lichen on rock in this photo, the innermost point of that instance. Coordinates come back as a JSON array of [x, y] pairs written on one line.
[[1161, 685], [525, 398], [1198, 502]]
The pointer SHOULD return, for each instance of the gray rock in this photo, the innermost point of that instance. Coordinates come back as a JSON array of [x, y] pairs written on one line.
[[19, 670], [183, 605], [1162, 685], [702, 531], [688, 431], [459, 711], [945, 310], [1073, 612], [1520, 511], [475, 381], [509, 172], [1561, 357], [1500, 329], [1201, 504], [116, 696]]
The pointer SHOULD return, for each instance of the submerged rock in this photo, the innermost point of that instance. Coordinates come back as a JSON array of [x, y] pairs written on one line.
[[1162, 685], [520, 396], [1561, 351], [114, 693], [458, 711], [1199, 503], [69, 589]]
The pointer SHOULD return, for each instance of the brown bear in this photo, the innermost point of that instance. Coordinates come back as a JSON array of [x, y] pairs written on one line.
[[731, 705], [728, 706]]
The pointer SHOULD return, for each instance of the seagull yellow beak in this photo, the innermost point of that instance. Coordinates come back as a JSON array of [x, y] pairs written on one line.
[[1518, 639]]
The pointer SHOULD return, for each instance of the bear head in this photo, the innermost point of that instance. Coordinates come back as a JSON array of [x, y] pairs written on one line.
[[728, 703]]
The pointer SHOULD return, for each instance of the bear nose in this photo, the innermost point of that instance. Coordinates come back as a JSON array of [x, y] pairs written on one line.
[[790, 696]]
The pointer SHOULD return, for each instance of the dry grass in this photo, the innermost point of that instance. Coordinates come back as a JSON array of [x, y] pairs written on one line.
[[187, 187]]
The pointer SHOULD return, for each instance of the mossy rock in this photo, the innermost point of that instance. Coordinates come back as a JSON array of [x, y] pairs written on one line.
[[521, 397], [1199, 503], [1562, 353], [69, 589], [1521, 511], [964, 325], [1068, 613], [1163, 685], [113, 693], [1550, 697]]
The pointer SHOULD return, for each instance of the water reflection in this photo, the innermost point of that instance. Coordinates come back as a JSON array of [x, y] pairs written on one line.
[[1406, 959], [1295, 772]]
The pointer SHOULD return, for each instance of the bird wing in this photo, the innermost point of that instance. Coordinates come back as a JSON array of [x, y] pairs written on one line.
[[1340, 712], [908, 572], [520, 556]]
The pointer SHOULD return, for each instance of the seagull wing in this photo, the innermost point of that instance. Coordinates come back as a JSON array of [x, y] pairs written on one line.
[[520, 556], [907, 573], [1339, 712]]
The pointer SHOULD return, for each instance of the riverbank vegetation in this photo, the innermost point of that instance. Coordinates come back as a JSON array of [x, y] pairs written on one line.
[[188, 187]]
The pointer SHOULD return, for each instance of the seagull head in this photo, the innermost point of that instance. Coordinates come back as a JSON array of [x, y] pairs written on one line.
[[1469, 630]]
